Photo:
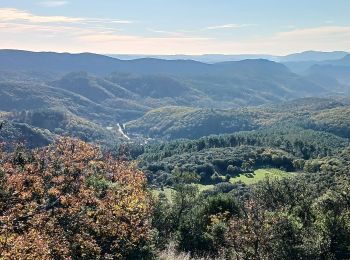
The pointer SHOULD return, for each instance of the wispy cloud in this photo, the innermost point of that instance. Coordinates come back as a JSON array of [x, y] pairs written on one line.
[[107, 21], [326, 38], [316, 33], [53, 3], [16, 15], [227, 26], [166, 33]]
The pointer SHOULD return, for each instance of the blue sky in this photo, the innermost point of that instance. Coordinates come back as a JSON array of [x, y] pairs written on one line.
[[176, 26]]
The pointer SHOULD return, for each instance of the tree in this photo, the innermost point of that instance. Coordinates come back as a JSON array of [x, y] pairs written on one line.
[[68, 201], [233, 170], [247, 235]]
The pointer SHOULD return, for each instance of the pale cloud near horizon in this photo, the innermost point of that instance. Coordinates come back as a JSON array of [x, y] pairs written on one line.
[[16, 15], [317, 32], [328, 38], [12, 14], [227, 26], [23, 30], [167, 33], [53, 3], [322, 38]]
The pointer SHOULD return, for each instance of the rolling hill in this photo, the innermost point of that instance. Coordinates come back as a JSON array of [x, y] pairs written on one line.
[[331, 68], [120, 90], [327, 115]]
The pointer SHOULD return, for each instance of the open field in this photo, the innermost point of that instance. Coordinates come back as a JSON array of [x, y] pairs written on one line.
[[260, 175], [257, 176]]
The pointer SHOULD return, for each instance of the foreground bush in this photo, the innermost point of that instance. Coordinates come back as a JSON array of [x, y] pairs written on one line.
[[304, 217], [67, 201]]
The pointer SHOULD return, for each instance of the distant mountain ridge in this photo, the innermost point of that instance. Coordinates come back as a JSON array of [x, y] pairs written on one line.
[[345, 61], [216, 58], [314, 56], [337, 69], [100, 64]]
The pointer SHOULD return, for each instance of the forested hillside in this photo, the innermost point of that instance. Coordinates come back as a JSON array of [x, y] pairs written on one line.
[[124, 84], [165, 98], [329, 115]]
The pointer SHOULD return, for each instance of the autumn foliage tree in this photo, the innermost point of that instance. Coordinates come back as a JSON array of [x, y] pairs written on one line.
[[68, 201]]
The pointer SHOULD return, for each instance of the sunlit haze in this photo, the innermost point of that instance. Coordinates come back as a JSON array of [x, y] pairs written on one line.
[[175, 27]]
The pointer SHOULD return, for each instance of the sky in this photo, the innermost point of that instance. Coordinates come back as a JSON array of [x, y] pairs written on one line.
[[193, 27]]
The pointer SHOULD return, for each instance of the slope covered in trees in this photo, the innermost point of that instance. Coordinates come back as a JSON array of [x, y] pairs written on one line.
[[216, 159], [107, 83], [330, 115], [42, 126]]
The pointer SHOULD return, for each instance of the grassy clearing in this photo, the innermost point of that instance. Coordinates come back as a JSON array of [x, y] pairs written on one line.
[[202, 187], [166, 191], [260, 175]]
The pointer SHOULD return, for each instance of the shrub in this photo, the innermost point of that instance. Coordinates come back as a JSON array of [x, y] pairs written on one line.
[[233, 170], [68, 201]]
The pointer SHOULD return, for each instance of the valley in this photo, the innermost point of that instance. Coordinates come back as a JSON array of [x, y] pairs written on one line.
[[174, 130]]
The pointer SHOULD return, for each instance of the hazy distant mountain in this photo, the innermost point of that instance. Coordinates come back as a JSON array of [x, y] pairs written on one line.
[[16, 60], [206, 58], [340, 73], [93, 88], [336, 69], [313, 56], [49, 62], [314, 61], [153, 86], [255, 82], [300, 67], [345, 61], [58, 62], [215, 58]]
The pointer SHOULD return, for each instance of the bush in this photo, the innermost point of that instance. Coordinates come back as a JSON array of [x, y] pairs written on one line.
[[68, 201], [233, 170]]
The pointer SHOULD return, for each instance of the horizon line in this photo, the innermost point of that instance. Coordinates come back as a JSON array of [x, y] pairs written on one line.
[[177, 54]]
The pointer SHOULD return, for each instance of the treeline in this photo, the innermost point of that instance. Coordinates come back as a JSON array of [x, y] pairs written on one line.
[[295, 140], [217, 158]]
